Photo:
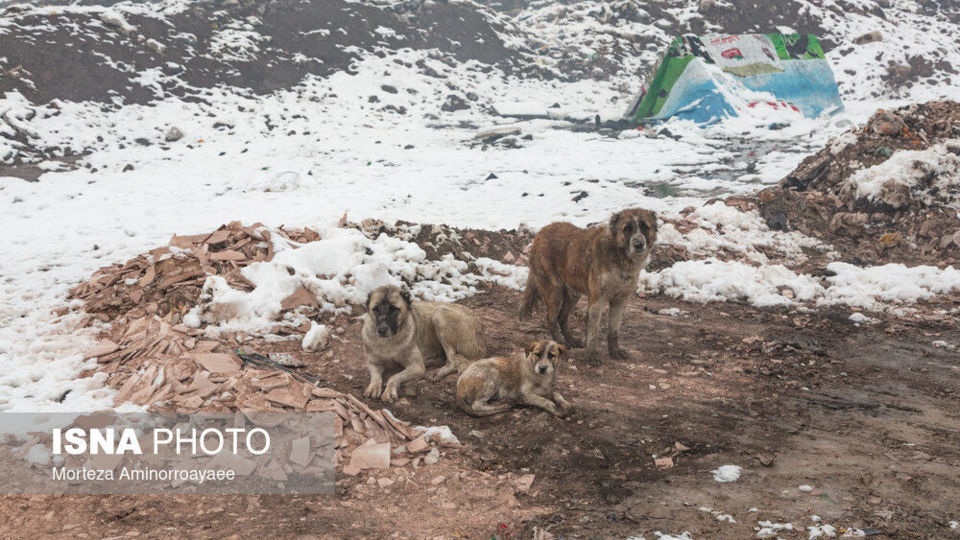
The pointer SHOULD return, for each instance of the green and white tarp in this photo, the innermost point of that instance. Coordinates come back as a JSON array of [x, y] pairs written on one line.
[[709, 77]]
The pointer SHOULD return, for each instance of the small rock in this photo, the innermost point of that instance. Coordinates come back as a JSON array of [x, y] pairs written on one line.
[[418, 445], [173, 134], [454, 103], [524, 483], [869, 37], [432, 457]]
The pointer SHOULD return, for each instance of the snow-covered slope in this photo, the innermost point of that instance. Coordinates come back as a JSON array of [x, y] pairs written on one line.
[[136, 52]]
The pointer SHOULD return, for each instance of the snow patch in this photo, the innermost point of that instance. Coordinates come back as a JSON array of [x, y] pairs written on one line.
[[726, 473], [769, 529], [822, 531], [924, 175], [316, 338], [713, 280], [437, 434]]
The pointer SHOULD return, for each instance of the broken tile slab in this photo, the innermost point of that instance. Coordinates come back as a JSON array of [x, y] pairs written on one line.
[[418, 445], [300, 451], [371, 456], [227, 255], [663, 463], [228, 460], [350, 470], [186, 242], [291, 396], [217, 237], [299, 297], [218, 362], [103, 348], [326, 393]]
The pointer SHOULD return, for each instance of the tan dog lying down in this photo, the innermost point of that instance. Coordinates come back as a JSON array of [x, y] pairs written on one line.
[[528, 379], [399, 332]]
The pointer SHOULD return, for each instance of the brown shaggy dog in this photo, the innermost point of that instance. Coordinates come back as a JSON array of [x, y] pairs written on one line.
[[602, 262]]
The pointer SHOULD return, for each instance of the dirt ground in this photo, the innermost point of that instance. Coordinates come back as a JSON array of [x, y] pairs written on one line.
[[865, 415]]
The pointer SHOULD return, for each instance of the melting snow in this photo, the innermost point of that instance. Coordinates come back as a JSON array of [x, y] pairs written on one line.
[[726, 473]]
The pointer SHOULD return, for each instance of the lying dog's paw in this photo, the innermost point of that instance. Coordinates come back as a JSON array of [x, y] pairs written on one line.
[[619, 354], [372, 391]]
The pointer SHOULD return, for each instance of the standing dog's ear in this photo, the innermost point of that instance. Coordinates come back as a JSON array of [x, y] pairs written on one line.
[[366, 305], [613, 222], [531, 347], [405, 294]]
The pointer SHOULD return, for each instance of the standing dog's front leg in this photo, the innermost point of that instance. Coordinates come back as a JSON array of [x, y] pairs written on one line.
[[617, 306], [414, 370], [594, 314]]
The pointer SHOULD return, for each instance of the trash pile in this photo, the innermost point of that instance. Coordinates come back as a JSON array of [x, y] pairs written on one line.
[[887, 192], [155, 359], [167, 281], [170, 368]]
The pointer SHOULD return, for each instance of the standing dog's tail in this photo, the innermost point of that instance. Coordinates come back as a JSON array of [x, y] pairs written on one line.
[[530, 297]]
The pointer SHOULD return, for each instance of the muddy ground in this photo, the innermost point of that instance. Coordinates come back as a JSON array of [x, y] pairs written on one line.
[[866, 415]]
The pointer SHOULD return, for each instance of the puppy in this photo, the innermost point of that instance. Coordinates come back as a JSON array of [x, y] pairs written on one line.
[[528, 379], [400, 332], [603, 262]]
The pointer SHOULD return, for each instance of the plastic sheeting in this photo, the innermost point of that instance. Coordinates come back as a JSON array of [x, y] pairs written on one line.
[[707, 78]]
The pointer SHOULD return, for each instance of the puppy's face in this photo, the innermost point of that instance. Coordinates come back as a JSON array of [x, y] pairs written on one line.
[[634, 230], [388, 307], [545, 356]]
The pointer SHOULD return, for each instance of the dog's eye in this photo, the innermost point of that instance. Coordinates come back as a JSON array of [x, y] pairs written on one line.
[[644, 227], [628, 228]]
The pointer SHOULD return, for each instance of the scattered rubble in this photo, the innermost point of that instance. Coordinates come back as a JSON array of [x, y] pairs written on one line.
[[153, 358], [171, 368], [883, 193]]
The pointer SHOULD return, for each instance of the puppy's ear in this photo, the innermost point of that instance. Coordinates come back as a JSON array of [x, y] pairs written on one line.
[[366, 305], [405, 294], [562, 350], [613, 222], [530, 347]]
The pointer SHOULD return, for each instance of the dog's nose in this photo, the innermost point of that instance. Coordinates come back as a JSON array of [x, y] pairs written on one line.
[[542, 369], [383, 330]]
